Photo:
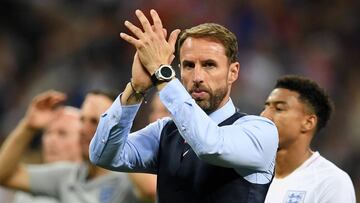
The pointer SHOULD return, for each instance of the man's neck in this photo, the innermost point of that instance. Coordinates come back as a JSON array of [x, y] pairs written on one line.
[[288, 160]]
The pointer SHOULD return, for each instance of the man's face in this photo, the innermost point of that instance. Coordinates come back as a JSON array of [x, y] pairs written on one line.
[[206, 72], [93, 106], [288, 112], [61, 139]]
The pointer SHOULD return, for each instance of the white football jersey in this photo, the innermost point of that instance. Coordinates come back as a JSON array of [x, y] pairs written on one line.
[[317, 180]]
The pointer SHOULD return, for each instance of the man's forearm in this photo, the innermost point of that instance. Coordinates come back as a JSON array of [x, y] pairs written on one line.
[[13, 148], [112, 131], [114, 148]]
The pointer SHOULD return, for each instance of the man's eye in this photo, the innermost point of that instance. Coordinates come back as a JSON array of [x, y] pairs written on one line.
[[210, 65], [188, 67], [278, 109]]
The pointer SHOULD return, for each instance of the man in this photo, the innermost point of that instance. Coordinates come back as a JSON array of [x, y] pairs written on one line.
[[206, 151], [60, 142], [300, 109], [61, 138], [65, 181]]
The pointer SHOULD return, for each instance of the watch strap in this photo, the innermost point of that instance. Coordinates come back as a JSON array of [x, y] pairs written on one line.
[[154, 79]]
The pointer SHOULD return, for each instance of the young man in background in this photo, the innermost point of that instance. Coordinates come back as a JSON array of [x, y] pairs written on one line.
[[300, 109]]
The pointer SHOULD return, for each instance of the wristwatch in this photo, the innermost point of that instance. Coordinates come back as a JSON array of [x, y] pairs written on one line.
[[163, 74]]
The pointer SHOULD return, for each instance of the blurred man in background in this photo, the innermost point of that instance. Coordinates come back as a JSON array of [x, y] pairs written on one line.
[[64, 181], [300, 109], [61, 139], [60, 142]]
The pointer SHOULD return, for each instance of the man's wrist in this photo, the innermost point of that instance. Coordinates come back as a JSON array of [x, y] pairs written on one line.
[[161, 85], [26, 125], [130, 96]]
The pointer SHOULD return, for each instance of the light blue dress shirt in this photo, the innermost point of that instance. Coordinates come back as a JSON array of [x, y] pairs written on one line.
[[249, 145]]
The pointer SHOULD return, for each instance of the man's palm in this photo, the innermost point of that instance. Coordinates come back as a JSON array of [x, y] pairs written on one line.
[[43, 109]]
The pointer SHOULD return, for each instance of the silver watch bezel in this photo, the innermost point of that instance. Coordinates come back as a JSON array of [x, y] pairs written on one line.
[[161, 77]]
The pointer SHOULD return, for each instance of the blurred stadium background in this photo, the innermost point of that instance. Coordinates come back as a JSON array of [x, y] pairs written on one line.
[[74, 46]]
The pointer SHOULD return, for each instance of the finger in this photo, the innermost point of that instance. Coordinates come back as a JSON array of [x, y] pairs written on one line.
[[157, 21], [48, 94], [143, 20], [163, 30], [130, 39], [53, 100], [56, 101], [49, 99], [56, 97], [173, 36], [135, 30]]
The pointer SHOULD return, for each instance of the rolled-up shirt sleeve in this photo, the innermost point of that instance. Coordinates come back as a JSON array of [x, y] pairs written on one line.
[[114, 147]]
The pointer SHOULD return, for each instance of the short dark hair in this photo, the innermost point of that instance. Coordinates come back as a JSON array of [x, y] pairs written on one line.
[[213, 31], [311, 94], [109, 94]]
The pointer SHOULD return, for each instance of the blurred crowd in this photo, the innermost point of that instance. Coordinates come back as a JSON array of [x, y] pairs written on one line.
[[74, 47]]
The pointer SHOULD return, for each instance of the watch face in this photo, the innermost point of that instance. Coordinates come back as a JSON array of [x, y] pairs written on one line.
[[166, 72]]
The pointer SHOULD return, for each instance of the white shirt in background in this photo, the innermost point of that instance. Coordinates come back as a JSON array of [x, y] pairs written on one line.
[[317, 180]]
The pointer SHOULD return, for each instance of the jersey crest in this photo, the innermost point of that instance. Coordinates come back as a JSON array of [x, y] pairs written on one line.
[[293, 196]]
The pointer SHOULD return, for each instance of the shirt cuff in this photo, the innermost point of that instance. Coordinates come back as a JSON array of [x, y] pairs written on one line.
[[121, 114], [173, 95]]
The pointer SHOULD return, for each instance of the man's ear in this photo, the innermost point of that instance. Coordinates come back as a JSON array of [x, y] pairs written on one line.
[[309, 123], [233, 73]]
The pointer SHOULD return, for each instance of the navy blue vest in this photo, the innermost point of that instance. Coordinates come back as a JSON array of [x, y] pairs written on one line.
[[188, 179]]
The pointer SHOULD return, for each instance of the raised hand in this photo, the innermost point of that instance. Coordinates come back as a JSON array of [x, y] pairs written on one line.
[[140, 77], [43, 109], [152, 47]]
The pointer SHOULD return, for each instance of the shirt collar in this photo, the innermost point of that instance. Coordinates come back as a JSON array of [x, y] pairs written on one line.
[[224, 112]]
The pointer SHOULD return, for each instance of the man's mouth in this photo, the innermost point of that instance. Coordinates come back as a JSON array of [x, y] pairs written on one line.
[[198, 94]]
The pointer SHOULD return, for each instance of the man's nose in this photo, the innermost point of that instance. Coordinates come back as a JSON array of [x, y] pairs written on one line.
[[266, 113], [83, 129], [198, 74]]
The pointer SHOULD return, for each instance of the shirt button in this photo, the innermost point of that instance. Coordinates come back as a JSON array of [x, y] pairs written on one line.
[[183, 128], [103, 140]]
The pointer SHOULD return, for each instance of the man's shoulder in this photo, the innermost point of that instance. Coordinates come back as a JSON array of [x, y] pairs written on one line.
[[327, 174], [63, 166], [258, 123], [249, 117], [332, 180], [328, 168]]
